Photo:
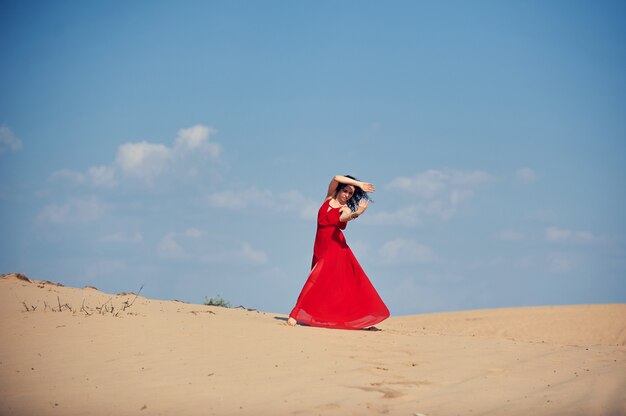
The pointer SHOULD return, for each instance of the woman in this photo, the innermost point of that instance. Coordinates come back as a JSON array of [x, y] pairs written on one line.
[[338, 293]]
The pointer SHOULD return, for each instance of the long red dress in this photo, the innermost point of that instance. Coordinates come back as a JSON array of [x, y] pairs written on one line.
[[337, 293]]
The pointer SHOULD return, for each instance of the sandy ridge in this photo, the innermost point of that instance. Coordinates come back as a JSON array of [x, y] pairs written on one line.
[[96, 356]]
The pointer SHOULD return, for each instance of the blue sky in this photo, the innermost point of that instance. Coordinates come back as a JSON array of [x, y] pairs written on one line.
[[186, 146]]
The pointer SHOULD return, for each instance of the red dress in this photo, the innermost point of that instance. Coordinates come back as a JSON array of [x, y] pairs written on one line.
[[337, 293]]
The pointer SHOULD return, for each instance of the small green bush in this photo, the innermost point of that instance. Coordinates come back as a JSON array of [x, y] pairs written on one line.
[[216, 301]]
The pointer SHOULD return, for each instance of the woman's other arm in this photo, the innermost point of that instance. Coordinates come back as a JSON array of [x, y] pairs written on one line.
[[347, 215]]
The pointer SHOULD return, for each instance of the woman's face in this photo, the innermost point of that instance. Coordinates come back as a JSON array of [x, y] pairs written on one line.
[[344, 194]]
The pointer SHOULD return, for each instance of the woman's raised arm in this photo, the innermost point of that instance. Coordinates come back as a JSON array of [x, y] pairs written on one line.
[[337, 179]]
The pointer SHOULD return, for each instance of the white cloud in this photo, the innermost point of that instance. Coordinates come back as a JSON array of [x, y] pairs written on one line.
[[288, 201], [187, 245], [469, 179], [554, 234], [98, 176], [67, 175], [432, 183], [253, 255], [8, 140], [526, 175], [105, 269], [194, 232], [238, 199], [560, 263], [74, 211], [144, 160], [197, 138], [459, 195], [405, 251], [195, 245], [557, 234], [56, 214], [169, 248], [434, 193], [411, 215], [425, 185], [102, 176]]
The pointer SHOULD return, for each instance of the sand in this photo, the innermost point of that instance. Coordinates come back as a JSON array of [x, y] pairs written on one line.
[[85, 352]]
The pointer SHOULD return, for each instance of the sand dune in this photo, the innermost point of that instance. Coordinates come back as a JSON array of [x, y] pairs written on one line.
[[71, 351]]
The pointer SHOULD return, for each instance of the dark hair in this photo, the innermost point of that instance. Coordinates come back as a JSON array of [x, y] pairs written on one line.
[[359, 194]]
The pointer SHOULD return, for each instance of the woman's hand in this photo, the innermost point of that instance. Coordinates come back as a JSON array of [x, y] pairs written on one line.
[[362, 206], [367, 187], [347, 215]]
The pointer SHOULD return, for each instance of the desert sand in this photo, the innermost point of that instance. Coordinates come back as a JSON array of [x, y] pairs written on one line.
[[70, 351]]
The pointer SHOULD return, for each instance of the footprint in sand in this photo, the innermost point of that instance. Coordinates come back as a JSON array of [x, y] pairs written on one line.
[[386, 392]]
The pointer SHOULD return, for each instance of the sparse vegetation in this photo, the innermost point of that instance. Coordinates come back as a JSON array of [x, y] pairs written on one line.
[[19, 276], [106, 308], [216, 301]]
